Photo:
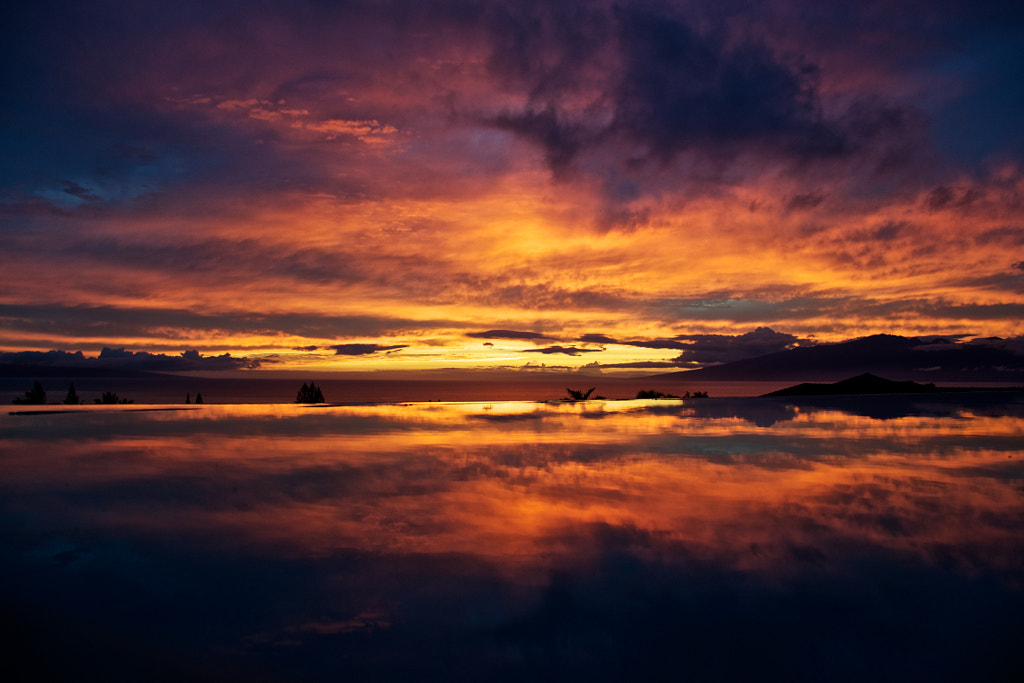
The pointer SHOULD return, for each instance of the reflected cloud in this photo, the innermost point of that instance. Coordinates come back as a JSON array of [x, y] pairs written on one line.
[[507, 527]]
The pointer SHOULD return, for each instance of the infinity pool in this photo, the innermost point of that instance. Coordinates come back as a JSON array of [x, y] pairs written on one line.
[[878, 538]]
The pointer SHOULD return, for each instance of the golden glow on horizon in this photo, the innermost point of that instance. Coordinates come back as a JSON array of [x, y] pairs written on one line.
[[518, 257]]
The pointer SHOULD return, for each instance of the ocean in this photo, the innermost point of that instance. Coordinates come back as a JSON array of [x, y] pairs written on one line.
[[173, 389]]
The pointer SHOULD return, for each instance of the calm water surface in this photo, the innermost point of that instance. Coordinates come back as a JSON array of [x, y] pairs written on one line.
[[172, 389], [833, 539]]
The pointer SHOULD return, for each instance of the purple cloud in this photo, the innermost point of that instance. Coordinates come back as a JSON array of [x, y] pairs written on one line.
[[363, 349], [567, 350], [508, 334]]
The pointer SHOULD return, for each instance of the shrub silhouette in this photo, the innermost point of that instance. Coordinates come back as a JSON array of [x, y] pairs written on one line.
[[36, 396], [650, 393], [307, 394], [110, 398]]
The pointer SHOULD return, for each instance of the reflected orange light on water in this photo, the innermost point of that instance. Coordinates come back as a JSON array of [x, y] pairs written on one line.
[[529, 486]]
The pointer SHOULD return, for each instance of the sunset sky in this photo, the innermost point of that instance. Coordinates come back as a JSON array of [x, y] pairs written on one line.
[[411, 185]]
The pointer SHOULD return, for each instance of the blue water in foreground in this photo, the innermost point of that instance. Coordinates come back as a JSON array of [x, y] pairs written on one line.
[[834, 539]]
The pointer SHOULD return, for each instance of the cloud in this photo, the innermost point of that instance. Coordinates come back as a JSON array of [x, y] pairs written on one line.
[[567, 350], [364, 349], [508, 334], [597, 339], [641, 365], [720, 348], [122, 359], [944, 197], [76, 190], [169, 323], [670, 85], [684, 89], [639, 343], [656, 344], [561, 140], [804, 201], [398, 157]]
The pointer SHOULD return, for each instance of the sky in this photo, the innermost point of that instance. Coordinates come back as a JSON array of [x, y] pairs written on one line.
[[409, 185]]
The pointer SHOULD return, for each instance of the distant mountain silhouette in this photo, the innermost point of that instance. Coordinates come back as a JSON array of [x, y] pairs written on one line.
[[35, 370], [861, 384], [900, 358]]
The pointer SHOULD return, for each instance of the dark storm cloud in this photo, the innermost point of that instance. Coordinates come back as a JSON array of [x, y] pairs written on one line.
[[720, 348], [561, 140], [673, 86], [703, 349], [508, 334], [364, 349], [683, 89], [640, 81]]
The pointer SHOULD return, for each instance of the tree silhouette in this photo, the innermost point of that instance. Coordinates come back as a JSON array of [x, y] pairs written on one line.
[[310, 394], [575, 395], [188, 398], [199, 398], [36, 396], [72, 397]]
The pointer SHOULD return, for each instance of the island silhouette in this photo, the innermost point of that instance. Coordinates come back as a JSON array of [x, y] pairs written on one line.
[[868, 383]]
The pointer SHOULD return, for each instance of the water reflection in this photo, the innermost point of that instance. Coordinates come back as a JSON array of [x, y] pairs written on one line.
[[459, 541]]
